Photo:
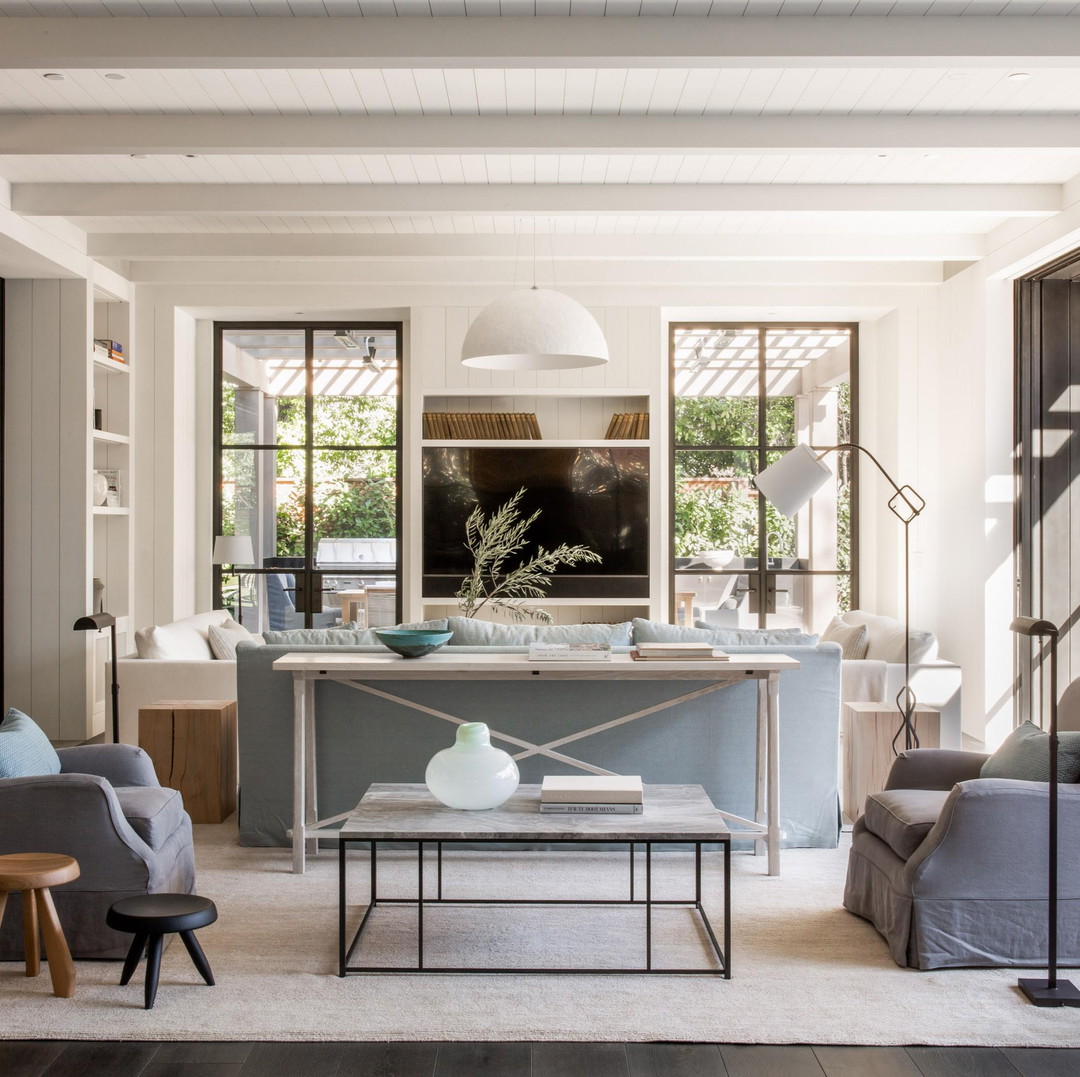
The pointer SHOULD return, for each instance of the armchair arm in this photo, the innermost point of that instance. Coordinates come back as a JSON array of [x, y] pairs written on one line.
[[119, 764], [990, 842], [77, 815], [934, 768]]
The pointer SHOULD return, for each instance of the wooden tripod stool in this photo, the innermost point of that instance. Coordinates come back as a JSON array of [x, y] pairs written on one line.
[[33, 874]]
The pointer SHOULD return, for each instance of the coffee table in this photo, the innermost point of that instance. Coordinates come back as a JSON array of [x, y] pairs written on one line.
[[674, 814]]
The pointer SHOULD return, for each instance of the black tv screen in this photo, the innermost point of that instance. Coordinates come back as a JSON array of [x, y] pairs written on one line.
[[593, 497]]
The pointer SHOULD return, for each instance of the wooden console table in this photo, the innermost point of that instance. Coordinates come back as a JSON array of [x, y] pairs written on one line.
[[359, 670]]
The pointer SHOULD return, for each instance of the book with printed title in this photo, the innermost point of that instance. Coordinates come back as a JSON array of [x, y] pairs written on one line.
[[586, 789]]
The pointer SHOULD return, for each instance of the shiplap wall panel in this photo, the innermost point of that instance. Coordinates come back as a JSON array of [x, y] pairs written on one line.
[[74, 388], [19, 481]]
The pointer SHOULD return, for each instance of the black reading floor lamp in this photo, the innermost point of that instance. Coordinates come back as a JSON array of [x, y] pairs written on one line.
[[1051, 991], [95, 622]]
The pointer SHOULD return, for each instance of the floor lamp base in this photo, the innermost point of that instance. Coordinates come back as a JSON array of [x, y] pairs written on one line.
[[1064, 993]]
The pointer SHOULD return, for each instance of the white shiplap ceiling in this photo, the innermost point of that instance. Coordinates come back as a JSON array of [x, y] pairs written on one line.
[[906, 138]]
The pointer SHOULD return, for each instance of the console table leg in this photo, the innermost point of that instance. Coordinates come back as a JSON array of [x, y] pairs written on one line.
[[299, 772], [759, 758], [420, 905], [311, 803], [648, 905], [773, 765]]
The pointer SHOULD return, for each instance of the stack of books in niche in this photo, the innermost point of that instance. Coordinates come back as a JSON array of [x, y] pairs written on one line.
[[481, 425], [109, 349], [591, 794], [570, 652], [629, 425], [678, 652]]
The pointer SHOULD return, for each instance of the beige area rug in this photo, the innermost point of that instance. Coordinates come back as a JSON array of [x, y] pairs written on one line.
[[804, 969]]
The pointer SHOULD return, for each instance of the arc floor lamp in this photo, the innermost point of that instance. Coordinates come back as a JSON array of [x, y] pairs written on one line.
[[793, 480]]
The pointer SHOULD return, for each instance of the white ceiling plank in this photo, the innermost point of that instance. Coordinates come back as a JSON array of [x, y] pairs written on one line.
[[51, 43], [461, 92], [282, 199]]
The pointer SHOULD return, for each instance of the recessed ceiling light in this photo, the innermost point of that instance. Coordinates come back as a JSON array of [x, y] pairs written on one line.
[[138, 156], [114, 75], [1019, 76], [54, 76], [191, 156], [883, 155]]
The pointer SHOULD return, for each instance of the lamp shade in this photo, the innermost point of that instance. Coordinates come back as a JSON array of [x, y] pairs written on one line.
[[793, 479], [534, 329], [233, 550]]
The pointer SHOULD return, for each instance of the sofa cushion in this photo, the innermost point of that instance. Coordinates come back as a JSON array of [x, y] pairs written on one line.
[[1025, 754], [153, 811], [854, 640], [224, 638], [886, 638], [345, 636], [903, 817], [25, 751], [662, 632], [470, 632], [186, 639]]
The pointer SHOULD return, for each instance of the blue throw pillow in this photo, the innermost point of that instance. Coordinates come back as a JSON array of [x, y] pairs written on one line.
[[1025, 754], [473, 632], [660, 632], [25, 751]]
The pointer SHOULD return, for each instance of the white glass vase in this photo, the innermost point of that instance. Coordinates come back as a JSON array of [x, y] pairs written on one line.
[[472, 774]]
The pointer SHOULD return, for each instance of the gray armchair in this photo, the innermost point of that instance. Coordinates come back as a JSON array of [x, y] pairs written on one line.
[[951, 868], [107, 810]]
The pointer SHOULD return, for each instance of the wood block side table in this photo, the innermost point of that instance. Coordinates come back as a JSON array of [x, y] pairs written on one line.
[[192, 743], [868, 730]]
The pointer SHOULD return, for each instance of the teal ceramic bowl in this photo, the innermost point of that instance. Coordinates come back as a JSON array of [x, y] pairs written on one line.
[[411, 642]]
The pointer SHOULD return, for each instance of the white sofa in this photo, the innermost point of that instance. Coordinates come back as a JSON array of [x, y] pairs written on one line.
[[879, 676], [193, 674]]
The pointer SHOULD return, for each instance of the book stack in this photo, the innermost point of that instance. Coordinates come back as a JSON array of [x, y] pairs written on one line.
[[481, 425], [592, 794], [570, 652], [678, 652], [109, 349], [628, 425]]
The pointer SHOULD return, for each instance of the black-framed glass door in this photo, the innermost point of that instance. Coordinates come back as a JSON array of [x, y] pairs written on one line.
[[742, 394], [307, 458]]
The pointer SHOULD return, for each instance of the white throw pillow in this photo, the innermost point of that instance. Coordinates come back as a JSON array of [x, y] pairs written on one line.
[[224, 638], [853, 639], [185, 640], [886, 642]]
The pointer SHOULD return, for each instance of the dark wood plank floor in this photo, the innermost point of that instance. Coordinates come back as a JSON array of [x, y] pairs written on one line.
[[40, 1058]]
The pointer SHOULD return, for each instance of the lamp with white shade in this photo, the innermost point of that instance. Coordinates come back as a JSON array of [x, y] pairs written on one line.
[[793, 480], [236, 551]]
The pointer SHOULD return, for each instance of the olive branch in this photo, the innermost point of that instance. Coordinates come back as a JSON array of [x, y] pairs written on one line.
[[492, 542]]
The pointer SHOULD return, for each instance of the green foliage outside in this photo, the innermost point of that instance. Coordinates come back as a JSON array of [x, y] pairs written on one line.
[[355, 490]]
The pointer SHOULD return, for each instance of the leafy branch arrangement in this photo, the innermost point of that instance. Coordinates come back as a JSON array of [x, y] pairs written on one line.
[[495, 540]]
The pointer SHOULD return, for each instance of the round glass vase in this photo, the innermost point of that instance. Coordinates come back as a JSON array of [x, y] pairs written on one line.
[[471, 774]]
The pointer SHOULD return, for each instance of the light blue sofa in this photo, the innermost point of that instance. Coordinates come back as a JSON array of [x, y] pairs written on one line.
[[711, 741]]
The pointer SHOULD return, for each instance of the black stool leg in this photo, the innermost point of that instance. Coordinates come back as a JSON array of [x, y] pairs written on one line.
[[131, 962], [197, 956], [153, 967]]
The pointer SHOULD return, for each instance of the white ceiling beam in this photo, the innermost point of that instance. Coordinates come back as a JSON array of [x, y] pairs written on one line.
[[236, 135], [552, 42], [302, 200], [565, 248], [502, 276]]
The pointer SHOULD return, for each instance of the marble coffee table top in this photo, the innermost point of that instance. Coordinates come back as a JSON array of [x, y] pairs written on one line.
[[408, 812]]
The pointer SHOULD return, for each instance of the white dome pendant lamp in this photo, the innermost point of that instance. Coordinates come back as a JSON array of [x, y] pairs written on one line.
[[534, 329]]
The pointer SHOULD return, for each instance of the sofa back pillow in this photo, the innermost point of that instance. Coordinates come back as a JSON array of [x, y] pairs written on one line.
[[346, 636], [1025, 754], [25, 751], [186, 639], [886, 638], [224, 638], [854, 640], [469, 632], [646, 631]]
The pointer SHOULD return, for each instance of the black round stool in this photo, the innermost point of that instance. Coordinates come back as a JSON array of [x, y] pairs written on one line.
[[151, 916]]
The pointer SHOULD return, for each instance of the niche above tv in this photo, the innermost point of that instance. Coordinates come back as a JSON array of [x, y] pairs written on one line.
[[593, 496]]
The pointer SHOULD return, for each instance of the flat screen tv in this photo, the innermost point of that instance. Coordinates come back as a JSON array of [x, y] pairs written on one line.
[[594, 497]]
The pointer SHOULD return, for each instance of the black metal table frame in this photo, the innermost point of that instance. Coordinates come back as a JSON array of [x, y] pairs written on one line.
[[346, 949]]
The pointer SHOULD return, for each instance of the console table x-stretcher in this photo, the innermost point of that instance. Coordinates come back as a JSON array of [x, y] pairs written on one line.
[[362, 670]]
